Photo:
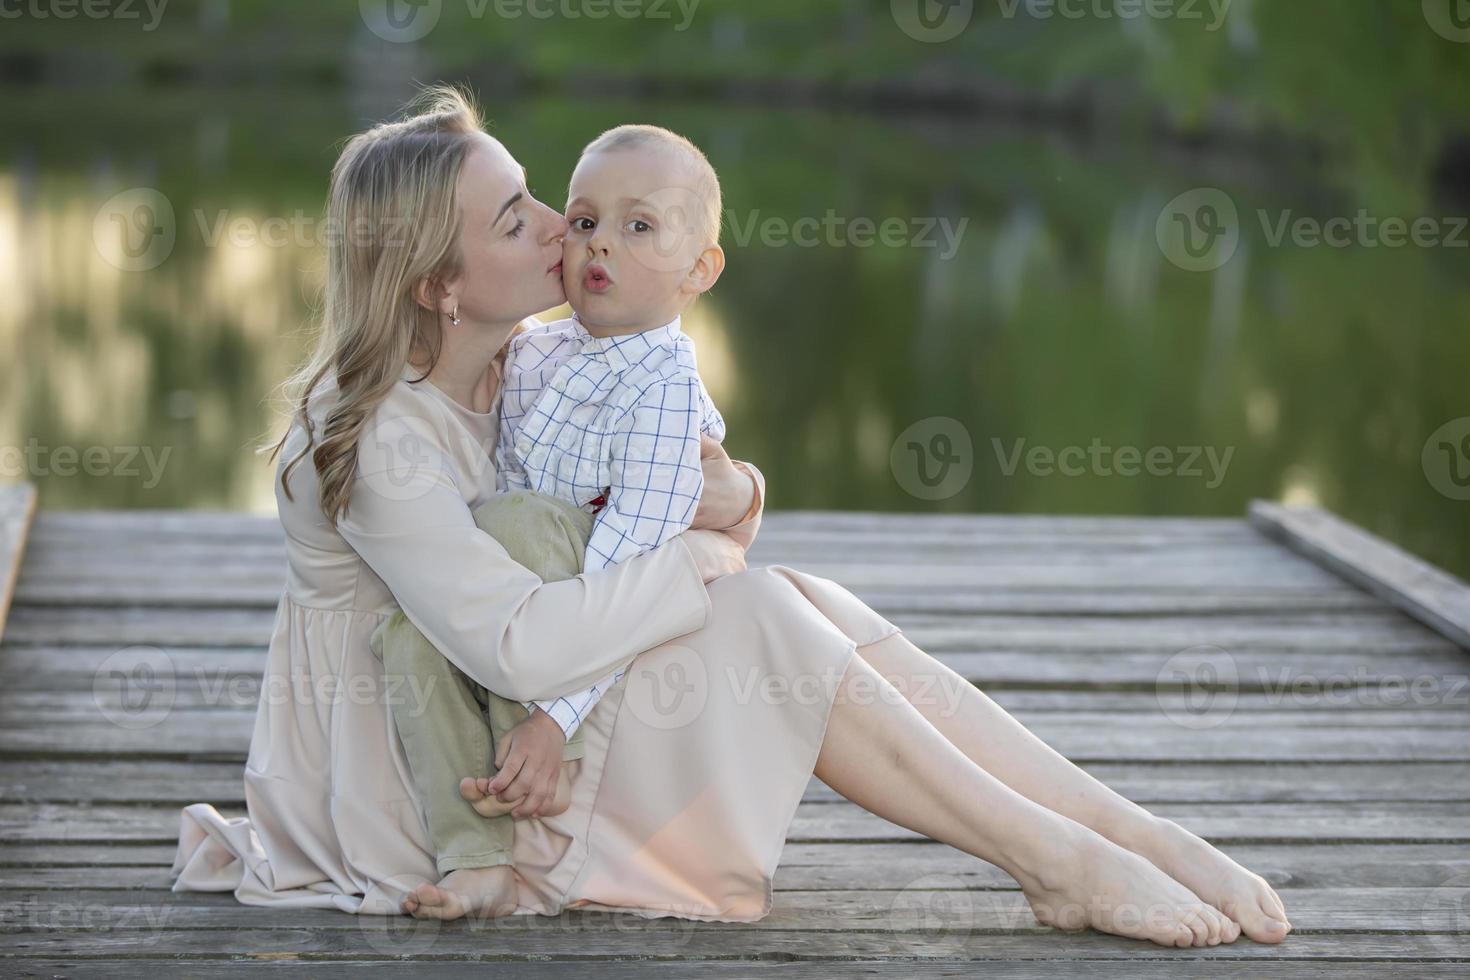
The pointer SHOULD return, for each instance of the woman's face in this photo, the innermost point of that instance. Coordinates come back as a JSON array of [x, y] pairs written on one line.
[[510, 243]]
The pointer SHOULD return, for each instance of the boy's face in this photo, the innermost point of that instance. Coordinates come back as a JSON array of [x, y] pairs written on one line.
[[633, 238]]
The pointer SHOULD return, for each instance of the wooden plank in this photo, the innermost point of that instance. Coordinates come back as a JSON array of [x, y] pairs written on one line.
[[689, 947], [180, 782], [17, 508], [1401, 729], [164, 731], [1368, 631], [928, 904], [35, 868], [252, 589], [1205, 586], [1430, 595], [51, 556], [1179, 964], [1290, 705], [232, 677], [1252, 823], [156, 523]]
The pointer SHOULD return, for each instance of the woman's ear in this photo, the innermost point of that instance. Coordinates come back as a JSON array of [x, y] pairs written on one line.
[[706, 271], [431, 294]]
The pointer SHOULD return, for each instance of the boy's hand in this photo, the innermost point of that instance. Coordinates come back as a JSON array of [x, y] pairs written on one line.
[[529, 759]]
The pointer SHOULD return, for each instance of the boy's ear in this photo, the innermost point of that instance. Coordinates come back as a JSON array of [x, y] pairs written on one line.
[[706, 271]]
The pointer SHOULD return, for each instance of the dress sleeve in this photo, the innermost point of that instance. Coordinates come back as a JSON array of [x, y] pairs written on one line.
[[492, 618], [745, 531], [655, 475]]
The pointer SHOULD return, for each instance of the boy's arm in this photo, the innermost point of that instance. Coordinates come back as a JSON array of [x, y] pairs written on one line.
[[711, 422], [655, 484], [655, 477], [569, 711]]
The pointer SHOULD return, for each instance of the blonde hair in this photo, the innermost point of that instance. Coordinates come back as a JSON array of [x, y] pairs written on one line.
[[706, 181], [393, 198]]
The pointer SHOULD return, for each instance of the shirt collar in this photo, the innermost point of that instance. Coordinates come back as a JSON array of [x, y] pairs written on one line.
[[627, 349]]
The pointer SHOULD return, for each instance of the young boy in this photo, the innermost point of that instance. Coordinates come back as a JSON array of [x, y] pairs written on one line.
[[599, 452]]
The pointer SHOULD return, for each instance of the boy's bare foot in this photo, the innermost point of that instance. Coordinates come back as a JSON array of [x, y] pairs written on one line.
[[476, 789], [1192, 861], [477, 892], [1086, 880]]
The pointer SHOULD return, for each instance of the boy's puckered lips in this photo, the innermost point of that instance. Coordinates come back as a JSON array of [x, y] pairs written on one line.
[[595, 279]]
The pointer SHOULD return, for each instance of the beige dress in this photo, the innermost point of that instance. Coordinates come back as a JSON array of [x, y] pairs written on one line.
[[695, 761]]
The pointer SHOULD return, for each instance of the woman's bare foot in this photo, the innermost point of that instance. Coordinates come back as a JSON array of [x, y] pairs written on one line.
[[1192, 861], [476, 789], [1086, 880], [478, 892]]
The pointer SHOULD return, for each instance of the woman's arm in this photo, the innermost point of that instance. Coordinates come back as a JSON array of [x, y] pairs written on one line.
[[733, 496], [744, 532], [493, 618]]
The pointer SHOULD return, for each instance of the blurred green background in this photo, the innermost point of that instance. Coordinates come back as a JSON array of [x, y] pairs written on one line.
[[1052, 138]]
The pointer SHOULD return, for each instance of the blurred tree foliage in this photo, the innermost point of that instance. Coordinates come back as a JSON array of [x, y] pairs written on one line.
[[1369, 77]]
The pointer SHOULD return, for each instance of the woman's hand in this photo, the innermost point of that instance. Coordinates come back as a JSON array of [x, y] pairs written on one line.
[[715, 553], [728, 492], [529, 759]]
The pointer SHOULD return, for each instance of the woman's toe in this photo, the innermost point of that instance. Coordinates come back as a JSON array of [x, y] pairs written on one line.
[[1199, 929], [1255, 923]]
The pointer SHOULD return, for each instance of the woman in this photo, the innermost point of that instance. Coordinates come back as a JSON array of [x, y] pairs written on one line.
[[678, 807]]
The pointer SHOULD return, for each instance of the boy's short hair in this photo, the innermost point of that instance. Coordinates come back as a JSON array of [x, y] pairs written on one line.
[[706, 182]]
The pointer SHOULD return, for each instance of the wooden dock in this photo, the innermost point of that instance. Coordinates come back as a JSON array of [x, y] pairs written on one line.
[[1316, 731]]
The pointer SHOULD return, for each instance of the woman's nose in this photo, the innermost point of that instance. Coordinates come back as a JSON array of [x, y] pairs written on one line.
[[556, 226]]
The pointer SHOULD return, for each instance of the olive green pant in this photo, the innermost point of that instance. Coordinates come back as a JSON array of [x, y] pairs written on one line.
[[450, 725]]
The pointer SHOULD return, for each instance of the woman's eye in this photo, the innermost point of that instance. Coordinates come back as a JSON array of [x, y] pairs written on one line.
[[638, 225], [520, 227]]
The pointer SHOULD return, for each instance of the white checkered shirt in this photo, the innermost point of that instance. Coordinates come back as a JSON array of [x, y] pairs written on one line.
[[618, 417]]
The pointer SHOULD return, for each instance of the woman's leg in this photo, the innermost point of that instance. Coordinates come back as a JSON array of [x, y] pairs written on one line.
[[882, 754], [992, 738]]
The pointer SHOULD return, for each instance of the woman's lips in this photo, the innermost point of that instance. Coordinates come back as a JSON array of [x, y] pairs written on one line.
[[595, 279], [554, 270]]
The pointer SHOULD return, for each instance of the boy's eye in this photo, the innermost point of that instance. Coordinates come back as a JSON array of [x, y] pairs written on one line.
[[639, 225], [582, 224]]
